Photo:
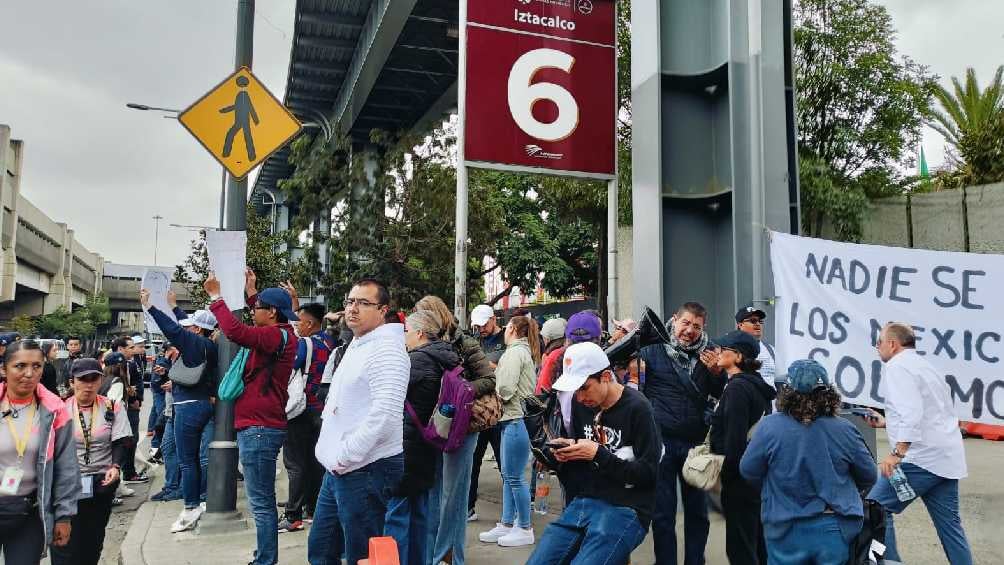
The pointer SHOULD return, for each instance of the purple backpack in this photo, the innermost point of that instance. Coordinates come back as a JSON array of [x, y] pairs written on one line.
[[443, 432]]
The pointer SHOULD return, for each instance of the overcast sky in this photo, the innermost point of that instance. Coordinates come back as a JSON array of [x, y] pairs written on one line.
[[66, 74]]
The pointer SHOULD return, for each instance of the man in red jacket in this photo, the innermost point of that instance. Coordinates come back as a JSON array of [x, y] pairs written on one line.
[[260, 412]]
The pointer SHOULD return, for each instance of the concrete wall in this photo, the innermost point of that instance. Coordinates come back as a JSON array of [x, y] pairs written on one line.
[[967, 219]]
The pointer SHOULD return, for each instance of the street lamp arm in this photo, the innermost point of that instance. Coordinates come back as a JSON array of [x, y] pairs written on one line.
[[144, 108]]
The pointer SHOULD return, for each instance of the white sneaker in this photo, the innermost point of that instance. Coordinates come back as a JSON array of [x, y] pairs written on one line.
[[493, 535], [517, 537], [125, 491], [202, 506], [187, 520], [472, 516]]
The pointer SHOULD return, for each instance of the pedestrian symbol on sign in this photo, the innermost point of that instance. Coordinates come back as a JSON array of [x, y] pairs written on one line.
[[240, 122], [244, 112]]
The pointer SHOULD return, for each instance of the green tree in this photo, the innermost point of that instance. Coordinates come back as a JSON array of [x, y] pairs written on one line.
[[972, 122], [82, 321], [860, 107], [264, 256]]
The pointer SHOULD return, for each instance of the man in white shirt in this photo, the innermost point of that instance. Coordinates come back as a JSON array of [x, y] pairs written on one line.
[[361, 440], [750, 319], [927, 444]]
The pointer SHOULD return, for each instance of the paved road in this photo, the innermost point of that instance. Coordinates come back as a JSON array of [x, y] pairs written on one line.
[[982, 497]]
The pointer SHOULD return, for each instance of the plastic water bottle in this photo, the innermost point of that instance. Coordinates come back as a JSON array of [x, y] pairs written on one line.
[[447, 410], [904, 492], [543, 492]]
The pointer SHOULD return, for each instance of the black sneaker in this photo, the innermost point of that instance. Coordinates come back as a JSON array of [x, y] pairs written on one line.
[[136, 478]]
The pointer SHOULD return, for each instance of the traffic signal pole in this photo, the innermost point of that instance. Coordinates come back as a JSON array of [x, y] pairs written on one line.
[[221, 503]]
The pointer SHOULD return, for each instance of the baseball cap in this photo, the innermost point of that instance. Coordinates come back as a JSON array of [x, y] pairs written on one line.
[[748, 311], [806, 375], [8, 338], [138, 340], [583, 326], [204, 319], [554, 329], [84, 367], [481, 314], [740, 341], [582, 360], [278, 299], [187, 322]]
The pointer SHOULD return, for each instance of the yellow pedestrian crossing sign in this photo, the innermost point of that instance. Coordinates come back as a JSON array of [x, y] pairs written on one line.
[[240, 122]]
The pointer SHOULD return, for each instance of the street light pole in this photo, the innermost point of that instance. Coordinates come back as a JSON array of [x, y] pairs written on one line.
[[221, 503], [156, 237]]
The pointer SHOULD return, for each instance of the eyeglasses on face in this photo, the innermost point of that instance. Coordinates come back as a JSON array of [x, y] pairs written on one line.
[[754, 321], [360, 302]]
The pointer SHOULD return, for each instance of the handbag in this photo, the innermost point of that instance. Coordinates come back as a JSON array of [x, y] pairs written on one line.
[[232, 385], [185, 375], [703, 469], [486, 412], [297, 387]]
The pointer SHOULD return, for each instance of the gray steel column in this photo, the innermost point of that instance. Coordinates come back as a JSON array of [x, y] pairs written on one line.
[[222, 482], [613, 207], [646, 190], [460, 259]]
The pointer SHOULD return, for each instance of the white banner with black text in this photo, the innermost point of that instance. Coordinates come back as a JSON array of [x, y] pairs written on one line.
[[833, 299]]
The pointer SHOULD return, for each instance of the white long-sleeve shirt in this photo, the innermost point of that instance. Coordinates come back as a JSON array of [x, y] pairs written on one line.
[[363, 415], [919, 410]]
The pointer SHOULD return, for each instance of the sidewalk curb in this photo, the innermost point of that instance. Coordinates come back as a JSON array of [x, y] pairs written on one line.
[[131, 550]]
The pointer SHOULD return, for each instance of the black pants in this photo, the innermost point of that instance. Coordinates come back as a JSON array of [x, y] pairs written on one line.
[[493, 437], [129, 467], [305, 473], [744, 542], [22, 539], [87, 534]]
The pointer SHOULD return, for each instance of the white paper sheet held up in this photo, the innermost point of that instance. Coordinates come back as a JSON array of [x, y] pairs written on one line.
[[158, 283], [228, 259]]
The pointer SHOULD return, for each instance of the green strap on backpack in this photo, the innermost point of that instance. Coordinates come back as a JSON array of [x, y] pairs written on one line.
[[232, 385]]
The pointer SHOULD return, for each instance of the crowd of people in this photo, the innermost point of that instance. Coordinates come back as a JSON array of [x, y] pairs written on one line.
[[384, 418]]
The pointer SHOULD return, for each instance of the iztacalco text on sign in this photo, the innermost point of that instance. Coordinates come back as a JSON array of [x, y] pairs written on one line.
[[240, 122]]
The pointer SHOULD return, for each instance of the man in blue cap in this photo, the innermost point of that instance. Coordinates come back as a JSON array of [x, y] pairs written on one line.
[[260, 412]]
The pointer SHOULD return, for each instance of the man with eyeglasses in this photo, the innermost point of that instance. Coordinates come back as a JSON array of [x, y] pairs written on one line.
[[361, 445], [680, 377], [750, 320], [614, 449], [260, 412]]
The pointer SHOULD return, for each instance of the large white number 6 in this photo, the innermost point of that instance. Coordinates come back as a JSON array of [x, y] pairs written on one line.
[[523, 95]]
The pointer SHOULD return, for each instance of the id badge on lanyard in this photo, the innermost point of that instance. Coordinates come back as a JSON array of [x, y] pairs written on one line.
[[12, 476]]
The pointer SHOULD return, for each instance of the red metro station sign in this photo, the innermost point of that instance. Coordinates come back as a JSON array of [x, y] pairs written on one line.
[[540, 86]]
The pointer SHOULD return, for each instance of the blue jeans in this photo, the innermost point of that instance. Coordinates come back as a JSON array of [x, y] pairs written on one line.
[[151, 424], [172, 471], [590, 531], [190, 419], [207, 436], [259, 453], [407, 521], [810, 541], [350, 510], [695, 509], [515, 490], [941, 497], [448, 503]]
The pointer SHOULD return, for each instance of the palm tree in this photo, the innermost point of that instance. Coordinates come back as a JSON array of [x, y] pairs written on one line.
[[972, 121]]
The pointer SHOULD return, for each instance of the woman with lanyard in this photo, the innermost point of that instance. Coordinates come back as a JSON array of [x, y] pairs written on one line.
[[38, 464], [102, 436]]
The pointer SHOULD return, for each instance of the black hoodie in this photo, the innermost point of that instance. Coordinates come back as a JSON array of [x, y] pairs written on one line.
[[428, 363], [746, 399]]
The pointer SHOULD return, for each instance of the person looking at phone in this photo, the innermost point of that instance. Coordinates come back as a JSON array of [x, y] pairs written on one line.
[[616, 446]]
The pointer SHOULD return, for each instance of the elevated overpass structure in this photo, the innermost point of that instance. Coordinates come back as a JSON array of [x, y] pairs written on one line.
[[360, 65], [42, 265]]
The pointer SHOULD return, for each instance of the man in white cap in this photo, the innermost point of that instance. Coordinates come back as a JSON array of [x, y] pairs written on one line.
[[487, 330], [615, 451]]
